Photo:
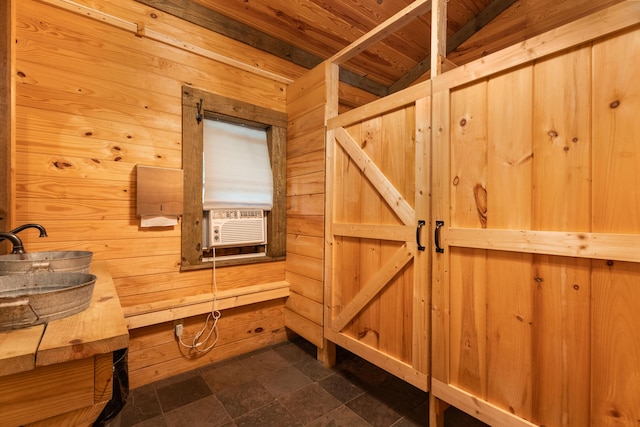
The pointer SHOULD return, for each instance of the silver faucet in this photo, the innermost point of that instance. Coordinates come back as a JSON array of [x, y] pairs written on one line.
[[43, 232], [18, 248]]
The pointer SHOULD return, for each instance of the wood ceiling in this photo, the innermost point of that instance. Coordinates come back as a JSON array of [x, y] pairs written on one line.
[[306, 32]]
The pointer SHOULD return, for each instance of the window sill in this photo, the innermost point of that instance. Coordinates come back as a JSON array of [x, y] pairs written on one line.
[[222, 262]]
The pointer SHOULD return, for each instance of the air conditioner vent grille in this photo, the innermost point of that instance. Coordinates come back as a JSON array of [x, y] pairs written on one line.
[[236, 227]]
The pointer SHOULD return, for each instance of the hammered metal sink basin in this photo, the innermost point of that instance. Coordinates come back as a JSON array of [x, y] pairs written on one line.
[[34, 298], [55, 261]]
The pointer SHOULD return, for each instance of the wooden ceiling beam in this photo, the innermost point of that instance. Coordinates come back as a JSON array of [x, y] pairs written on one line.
[[228, 27], [382, 31], [474, 25]]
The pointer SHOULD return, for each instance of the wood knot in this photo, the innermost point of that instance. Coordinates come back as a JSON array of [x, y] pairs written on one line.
[[480, 194], [62, 165], [614, 104], [552, 133]]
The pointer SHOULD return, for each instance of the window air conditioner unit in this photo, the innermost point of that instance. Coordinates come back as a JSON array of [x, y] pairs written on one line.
[[236, 227]]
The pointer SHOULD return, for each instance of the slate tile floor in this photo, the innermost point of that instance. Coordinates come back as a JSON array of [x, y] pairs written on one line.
[[283, 385]]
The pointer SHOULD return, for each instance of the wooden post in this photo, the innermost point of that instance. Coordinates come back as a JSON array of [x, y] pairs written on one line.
[[438, 35], [438, 51], [7, 113]]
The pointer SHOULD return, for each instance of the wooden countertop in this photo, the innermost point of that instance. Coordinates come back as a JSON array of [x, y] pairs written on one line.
[[99, 329]]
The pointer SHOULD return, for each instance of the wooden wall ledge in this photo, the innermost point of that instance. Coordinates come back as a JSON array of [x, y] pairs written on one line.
[[165, 311]]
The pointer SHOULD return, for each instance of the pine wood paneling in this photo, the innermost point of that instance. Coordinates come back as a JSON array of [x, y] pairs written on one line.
[[92, 102], [306, 106], [156, 354]]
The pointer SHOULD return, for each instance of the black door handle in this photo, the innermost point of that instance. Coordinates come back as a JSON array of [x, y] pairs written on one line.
[[421, 222], [436, 237]]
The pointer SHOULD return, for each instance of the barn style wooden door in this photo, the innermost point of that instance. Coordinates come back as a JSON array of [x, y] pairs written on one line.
[[376, 275], [537, 285]]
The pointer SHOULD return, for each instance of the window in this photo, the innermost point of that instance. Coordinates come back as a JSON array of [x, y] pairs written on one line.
[[198, 108]]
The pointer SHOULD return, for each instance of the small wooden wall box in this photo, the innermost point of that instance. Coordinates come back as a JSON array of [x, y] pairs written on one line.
[[159, 191]]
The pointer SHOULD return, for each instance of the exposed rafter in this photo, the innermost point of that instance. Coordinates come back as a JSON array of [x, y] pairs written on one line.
[[463, 34], [229, 27]]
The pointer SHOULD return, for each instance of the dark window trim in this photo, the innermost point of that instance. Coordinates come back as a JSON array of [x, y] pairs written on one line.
[[205, 104]]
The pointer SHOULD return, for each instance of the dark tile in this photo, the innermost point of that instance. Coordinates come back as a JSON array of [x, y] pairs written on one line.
[[263, 362], [273, 415], [309, 403], [374, 411], [223, 375], [204, 412], [361, 372], [400, 395], [284, 381], [314, 369], [453, 417], [142, 404], [293, 352], [157, 421], [176, 378], [244, 398], [340, 388], [418, 416], [408, 422], [340, 417], [176, 394]]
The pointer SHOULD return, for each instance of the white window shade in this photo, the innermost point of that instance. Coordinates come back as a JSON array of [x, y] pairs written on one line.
[[236, 167]]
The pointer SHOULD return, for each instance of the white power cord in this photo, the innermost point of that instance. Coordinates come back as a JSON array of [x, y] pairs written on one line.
[[214, 314]]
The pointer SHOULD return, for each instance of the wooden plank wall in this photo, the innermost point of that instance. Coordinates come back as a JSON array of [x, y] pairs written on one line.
[[7, 110], [550, 145], [305, 204], [93, 101]]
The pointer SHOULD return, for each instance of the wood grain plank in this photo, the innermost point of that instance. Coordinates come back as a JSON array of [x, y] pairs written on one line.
[[562, 144], [394, 198], [19, 349], [305, 307], [305, 245], [616, 98], [469, 156], [305, 286], [582, 245], [389, 269], [615, 351], [467, 329], [562, 340], [305, 266]]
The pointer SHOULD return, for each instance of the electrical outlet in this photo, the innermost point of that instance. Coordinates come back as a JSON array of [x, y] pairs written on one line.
[[177, 328]]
